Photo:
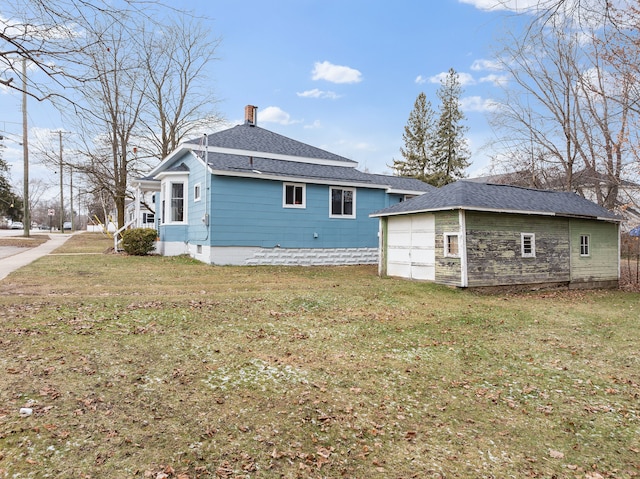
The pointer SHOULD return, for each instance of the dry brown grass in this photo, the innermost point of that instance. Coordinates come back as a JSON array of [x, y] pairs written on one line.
[[165, 368], [23, 242]]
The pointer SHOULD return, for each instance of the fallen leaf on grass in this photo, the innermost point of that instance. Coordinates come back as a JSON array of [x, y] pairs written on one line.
[[556, 454]]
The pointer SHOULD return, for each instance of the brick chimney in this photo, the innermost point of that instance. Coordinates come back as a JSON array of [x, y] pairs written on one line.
[[250, 115]]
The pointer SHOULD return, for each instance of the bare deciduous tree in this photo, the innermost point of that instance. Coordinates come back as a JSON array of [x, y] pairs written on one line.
[[148, 94], [54, 35], [179, 97], [566, 109]]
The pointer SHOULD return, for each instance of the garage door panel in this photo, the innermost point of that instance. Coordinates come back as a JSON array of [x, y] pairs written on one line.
[[423, 272], [399, 255], [411, 247], [423, 256]]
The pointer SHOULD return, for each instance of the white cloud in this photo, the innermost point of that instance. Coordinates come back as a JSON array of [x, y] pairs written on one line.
[[484, 64], [497, 80], [335, 73], [314, 125], [274, 114], [463, 78], [316, 93], [477, 103], [420, 80], [512, 5]]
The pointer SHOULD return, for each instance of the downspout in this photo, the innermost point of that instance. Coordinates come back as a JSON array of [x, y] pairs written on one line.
[[464, 277], [205, 219]]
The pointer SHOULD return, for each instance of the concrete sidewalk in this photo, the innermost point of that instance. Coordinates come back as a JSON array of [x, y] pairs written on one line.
[[23, 257]]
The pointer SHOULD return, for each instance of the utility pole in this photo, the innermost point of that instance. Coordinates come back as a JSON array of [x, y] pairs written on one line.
[[71, 195], [25, 151], [61, 188]]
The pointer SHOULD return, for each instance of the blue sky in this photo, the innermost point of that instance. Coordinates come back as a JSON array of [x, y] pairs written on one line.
[[341, 75]]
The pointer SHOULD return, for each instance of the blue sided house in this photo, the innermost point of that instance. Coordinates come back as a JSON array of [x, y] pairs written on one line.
[[248, 196]]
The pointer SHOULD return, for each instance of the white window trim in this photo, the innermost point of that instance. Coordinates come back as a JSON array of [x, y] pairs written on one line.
[[445, 244], [197, 192], [588, 246], [353, 190], [167, 191], [304, 195], [533, 245]]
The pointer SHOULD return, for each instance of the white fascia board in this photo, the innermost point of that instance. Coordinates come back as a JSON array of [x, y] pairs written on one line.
[[177, 152], [296, 179], [275, 156], [166, 174], [147, 185], [466, 208], [405, 192]]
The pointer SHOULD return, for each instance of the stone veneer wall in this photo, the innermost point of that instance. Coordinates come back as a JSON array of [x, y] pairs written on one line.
[[314, 256]]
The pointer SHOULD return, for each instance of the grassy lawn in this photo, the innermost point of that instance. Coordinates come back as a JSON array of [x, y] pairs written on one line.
[[159, 368]]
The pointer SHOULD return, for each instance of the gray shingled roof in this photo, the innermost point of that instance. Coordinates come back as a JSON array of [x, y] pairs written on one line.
[[482, 196], [254, 138], [403, 183], [304, 170], [286, 168], [264, 142]]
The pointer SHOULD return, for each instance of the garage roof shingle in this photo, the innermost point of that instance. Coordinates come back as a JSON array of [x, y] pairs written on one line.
[[500, 198]]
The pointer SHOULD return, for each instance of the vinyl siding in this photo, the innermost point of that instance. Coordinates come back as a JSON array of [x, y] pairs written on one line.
[[249, 212]]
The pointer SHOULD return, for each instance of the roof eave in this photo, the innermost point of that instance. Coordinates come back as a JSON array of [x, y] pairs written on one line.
[[275, 156], [296, 179], [496, 210]]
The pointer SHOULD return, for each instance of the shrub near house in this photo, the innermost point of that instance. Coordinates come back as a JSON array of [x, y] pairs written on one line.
[[139, 241]]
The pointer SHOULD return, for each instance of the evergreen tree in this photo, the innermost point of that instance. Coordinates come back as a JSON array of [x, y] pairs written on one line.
[[417, 136], [10, 203], [450, 155]]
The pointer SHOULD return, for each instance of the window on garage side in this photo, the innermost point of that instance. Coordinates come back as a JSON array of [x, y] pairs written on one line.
[[342, 202], [528, 245], [294, 195], [585, 245], [452, 245]]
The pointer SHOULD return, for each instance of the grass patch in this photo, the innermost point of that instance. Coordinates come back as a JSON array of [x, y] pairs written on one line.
[[24, 242], [166, 367]]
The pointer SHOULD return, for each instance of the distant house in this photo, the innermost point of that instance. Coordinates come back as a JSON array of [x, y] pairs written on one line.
[[585, 182], [469, 234], [249, 196]]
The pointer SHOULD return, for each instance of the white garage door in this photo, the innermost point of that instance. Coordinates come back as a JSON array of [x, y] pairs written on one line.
[[411, 246]]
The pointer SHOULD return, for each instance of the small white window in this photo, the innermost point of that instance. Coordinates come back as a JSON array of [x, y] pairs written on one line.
[[585, 245], [452, 245], [196, 192], [528, 245], [293, 195], [342, 202]]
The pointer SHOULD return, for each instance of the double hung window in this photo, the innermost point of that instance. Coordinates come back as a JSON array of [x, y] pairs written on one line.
[[342, 203], [294, 195]]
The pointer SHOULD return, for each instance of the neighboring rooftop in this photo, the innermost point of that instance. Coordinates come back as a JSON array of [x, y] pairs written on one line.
[[470, 195]]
